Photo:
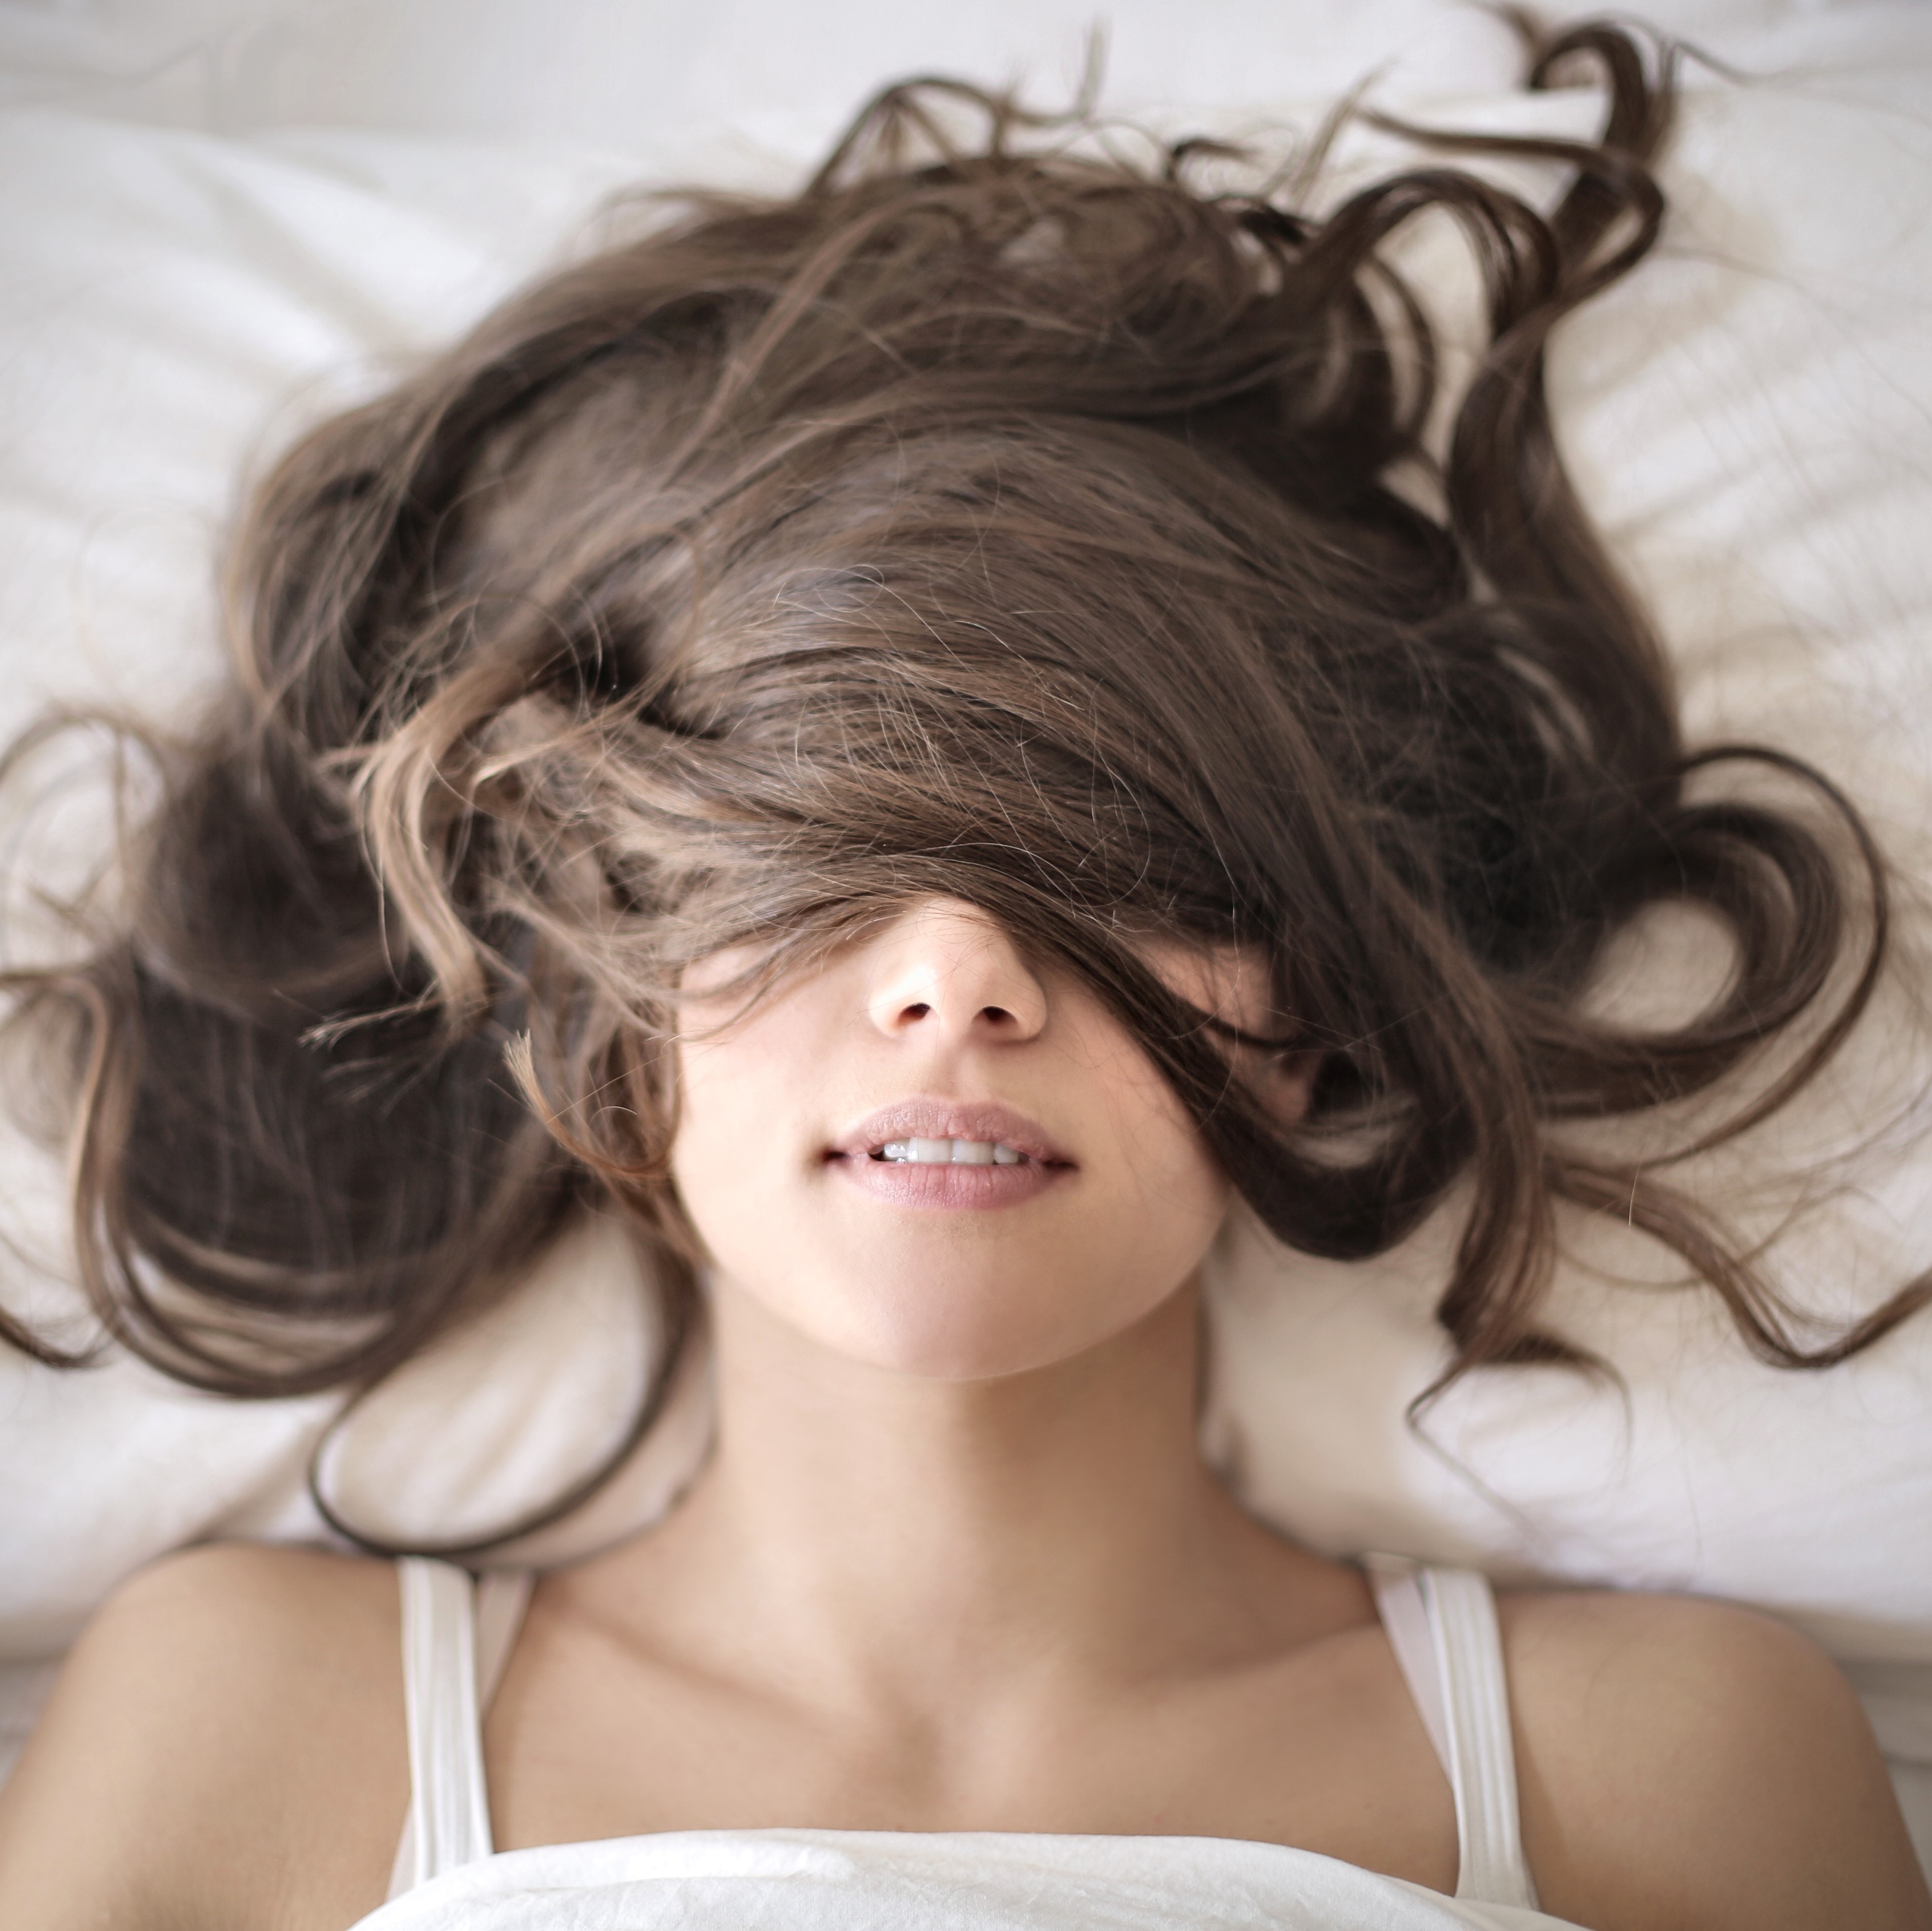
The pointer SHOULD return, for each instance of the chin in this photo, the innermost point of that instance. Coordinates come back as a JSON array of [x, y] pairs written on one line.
[[935, 1324]]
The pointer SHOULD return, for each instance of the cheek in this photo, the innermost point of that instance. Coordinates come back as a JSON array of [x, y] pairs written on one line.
[[1160, 1196], [734, 1158]]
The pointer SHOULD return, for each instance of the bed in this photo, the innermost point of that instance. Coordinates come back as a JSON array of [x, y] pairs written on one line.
[[222, 218]]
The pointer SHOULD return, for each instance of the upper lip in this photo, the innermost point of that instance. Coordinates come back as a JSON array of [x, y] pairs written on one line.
[[950, 1119]]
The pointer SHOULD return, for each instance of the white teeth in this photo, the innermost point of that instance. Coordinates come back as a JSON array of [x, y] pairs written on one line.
[[951, 1153]]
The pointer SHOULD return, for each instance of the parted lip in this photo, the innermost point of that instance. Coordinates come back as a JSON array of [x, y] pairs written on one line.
[[948, 1120]]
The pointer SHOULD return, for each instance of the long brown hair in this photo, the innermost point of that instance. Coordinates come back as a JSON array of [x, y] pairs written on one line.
[[998, 518]]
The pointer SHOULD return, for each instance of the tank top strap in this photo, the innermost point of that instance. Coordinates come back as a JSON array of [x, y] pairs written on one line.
[[457, 1637], [1442, 1624]]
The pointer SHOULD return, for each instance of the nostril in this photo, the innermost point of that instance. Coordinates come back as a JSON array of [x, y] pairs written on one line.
[[995, 1013], [917, 1011]]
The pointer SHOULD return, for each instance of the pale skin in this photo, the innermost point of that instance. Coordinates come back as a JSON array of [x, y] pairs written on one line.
[[956, 1565]]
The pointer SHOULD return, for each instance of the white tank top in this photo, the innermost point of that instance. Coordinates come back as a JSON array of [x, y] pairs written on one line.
[[1441, 1623]]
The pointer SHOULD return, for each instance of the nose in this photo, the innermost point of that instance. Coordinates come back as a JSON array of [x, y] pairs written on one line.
[[949, 972]]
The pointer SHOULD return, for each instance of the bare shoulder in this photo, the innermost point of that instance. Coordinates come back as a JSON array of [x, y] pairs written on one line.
[[225, 1744], [255, 1592], [1689, 1766]]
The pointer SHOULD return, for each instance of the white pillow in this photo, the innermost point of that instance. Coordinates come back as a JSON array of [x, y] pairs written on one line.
[[1746, 416]]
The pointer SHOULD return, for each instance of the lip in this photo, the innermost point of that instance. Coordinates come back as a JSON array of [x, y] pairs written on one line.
[[904, 1183], [948, 1119]]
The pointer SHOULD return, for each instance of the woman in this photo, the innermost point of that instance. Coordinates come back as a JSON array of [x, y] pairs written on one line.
[[934, 731]]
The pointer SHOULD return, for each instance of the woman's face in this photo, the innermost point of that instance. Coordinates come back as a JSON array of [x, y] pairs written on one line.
[[931, 1155]]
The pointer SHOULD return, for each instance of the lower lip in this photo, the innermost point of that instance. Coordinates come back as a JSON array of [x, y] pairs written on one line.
[[945, 1184]]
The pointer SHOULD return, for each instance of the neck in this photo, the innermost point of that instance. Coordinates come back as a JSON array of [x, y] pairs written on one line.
[[873, 1532]]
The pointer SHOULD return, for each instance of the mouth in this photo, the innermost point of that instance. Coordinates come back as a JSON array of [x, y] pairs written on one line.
[[945, 1153]]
